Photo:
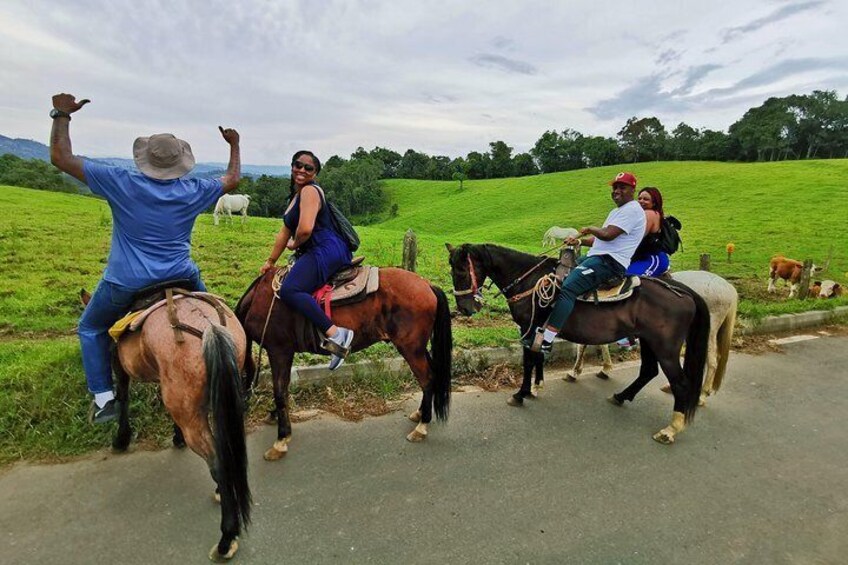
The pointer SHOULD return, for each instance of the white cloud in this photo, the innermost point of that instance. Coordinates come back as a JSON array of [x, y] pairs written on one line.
[[437, 76]]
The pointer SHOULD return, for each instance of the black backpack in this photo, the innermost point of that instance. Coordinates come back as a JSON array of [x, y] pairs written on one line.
[[342, 225], [669, 237]]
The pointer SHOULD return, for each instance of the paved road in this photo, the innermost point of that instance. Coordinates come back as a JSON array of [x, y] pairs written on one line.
[[762, 477]]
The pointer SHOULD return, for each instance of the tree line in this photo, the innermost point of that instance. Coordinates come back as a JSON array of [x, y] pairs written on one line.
[[34, 173], [811, 126]]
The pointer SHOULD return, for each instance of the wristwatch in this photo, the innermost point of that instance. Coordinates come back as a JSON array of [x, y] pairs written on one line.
[[54, 113]]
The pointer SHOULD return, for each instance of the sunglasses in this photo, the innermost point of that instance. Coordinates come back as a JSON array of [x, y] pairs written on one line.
[[297, 165]]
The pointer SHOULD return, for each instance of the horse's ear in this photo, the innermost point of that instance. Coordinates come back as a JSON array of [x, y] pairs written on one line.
[[449, 247]]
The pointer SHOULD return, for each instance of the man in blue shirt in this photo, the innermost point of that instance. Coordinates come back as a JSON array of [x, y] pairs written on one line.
[[153, 213]]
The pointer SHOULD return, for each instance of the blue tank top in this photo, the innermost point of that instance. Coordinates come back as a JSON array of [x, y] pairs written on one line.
[[323, 233]]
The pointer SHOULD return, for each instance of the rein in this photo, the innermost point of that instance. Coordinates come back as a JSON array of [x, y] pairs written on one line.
[[518, 297], [276, 283]]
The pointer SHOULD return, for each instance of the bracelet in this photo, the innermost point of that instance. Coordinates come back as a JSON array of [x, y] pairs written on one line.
[[269, 260]]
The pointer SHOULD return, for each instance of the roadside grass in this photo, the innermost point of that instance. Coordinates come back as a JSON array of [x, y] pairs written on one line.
[[52, 244]]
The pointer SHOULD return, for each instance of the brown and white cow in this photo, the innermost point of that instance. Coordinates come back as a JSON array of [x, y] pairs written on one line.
[[788, 270], [826, 289]]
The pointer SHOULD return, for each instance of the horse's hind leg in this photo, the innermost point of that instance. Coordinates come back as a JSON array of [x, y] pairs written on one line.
[[575, 371], [417, 358], [281, 364], [178, 439], [122, 396], [647, 371], [671, 367], [606, 369]]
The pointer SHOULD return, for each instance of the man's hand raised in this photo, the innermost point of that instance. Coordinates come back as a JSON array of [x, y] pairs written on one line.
[[230, 135], [68, 103]]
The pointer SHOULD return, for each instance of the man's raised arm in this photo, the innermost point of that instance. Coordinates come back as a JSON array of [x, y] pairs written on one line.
[[231, 178], [61, 154]]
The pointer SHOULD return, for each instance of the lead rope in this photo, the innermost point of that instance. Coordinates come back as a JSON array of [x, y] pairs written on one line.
[[276, 283], [544, 292]]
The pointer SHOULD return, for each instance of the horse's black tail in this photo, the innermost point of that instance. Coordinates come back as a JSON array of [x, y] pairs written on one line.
[[442, 350], [695, 360], [225, 399]]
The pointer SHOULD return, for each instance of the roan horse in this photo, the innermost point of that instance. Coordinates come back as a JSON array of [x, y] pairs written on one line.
[[662, 315], [722, 299], [406, 311], [199, 377]]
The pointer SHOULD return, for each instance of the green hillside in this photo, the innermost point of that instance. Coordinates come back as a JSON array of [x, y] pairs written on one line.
[[797, 208]]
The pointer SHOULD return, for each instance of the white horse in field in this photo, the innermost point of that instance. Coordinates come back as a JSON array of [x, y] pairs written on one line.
[[555, 233], [721, 298], [230, 203]]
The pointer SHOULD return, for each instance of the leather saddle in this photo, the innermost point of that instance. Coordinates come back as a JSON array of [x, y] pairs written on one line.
[[612, 290], [350, 284], [151, 298]]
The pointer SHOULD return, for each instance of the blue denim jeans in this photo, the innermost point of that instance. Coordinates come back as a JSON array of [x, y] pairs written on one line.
[[588, 275], [109, 303]]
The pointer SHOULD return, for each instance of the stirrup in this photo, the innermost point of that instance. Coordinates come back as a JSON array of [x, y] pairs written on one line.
[[538, 343], [334, 348]]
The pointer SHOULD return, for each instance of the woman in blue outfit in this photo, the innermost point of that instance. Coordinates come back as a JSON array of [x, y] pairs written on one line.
[[648, 260], [320, 251]]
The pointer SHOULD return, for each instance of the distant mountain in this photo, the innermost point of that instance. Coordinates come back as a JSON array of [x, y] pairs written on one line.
[[24, 148], [29, 149]]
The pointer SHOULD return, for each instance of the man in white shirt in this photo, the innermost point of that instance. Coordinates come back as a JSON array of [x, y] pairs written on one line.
[[613, 246]]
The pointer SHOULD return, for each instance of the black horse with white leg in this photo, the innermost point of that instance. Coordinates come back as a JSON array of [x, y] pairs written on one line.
[[663, 315]]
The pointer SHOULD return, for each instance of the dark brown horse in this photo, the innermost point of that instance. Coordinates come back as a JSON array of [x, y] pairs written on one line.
[[662, 315], [406, 311], [198, 376]]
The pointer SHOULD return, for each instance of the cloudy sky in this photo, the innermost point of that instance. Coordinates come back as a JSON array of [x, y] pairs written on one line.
[[437, 76]]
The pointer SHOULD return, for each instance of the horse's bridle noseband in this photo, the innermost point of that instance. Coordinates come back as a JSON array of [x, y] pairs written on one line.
[[475, 289]]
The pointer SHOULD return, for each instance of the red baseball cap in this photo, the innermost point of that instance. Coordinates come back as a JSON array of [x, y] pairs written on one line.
[[624, 178]]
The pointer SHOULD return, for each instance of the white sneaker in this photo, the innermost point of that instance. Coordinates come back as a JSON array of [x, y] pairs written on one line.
[[343, 338]]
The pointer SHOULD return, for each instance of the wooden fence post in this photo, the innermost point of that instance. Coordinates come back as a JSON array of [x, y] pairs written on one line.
[[804, 283], [410, 251], [705, 262]]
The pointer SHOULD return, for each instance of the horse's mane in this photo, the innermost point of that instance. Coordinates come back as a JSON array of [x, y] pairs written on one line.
[[513, 257]]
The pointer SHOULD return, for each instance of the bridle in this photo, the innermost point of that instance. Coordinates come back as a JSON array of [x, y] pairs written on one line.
[[475, 289]]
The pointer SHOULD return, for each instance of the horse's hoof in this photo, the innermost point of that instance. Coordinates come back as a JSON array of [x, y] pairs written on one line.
[[569, 378], [666, 388], [218, 558], [535, 390], [415, 416], [663, 437], [415, 436], [515, 401], [602, 375], [702, 401], [278, 450], [615, 401], [120, 447], [179, 443]]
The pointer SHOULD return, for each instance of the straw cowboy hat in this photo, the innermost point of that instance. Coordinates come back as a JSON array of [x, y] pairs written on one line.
[[163, 156]]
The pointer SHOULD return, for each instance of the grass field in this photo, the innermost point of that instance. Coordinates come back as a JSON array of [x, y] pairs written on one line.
[[52, 244]]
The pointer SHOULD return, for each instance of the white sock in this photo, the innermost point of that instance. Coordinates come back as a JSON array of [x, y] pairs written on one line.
[[339, 337], [549, 335], [101, 398]]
